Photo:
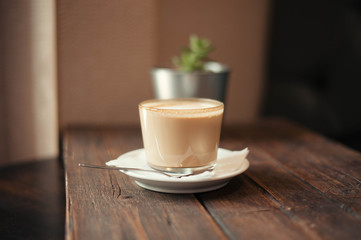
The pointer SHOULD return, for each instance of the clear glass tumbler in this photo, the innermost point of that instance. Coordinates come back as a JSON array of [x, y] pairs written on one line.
[[181, 135]]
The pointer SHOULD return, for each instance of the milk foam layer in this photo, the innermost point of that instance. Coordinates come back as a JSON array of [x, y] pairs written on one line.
[[185, 107]]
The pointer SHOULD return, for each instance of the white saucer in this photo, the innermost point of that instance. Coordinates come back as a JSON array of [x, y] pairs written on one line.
[[229, 164]]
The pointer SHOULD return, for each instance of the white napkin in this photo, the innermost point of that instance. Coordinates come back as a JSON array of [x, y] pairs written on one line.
[[231, 161]]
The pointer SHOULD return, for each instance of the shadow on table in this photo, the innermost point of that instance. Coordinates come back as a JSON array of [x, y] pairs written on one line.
[[32, 200]]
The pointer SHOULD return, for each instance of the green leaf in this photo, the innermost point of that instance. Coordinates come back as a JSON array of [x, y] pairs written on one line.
[[194, 56]]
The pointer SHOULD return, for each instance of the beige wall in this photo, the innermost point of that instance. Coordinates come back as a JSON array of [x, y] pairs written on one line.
[[97, 59], [106, 49]]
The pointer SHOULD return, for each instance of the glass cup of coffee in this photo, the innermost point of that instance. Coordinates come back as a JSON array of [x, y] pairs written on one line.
[[181, 135]]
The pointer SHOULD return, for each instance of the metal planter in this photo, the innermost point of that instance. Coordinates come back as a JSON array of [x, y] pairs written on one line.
[[170, 83]]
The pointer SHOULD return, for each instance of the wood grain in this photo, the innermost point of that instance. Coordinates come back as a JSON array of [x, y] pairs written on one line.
[[300, 185], [108, 205], [298, 171]]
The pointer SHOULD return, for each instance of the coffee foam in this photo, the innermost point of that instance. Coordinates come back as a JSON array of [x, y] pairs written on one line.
[[186, 105], [185, 108]]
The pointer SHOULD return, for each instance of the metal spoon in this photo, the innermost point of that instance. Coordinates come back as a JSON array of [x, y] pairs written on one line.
[[176, 175]]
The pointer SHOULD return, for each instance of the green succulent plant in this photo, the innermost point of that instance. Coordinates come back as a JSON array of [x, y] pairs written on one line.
[[194, 56]]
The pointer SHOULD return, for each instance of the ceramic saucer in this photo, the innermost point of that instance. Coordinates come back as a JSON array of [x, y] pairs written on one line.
[[229, 164]]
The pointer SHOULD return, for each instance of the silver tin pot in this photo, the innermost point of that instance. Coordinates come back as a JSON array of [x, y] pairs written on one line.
[[170, 83]]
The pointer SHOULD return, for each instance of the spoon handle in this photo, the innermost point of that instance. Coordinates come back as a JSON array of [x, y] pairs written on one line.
[[121, 168]]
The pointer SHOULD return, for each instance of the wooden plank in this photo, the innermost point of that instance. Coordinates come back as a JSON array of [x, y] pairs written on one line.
[[311, 213], [246, 211], [32, 200], [109, 205], [305, 205], [330, 167]]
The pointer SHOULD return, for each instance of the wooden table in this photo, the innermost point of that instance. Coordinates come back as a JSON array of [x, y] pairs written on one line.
[[32, 200], [300, 185]]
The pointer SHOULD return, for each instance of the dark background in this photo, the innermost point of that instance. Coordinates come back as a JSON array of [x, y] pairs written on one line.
[[314, 66]]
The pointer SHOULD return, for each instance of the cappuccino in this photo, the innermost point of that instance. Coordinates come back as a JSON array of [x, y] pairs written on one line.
[[181, 135]]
